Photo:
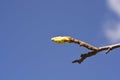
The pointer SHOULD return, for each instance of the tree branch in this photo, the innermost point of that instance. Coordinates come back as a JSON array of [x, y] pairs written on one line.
[[94, 50], [84, 44]]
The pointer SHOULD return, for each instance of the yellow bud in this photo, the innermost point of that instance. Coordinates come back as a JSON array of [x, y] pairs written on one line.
[[62, 39]]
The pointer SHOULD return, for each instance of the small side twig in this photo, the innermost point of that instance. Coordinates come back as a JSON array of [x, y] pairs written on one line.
[[84, 56]]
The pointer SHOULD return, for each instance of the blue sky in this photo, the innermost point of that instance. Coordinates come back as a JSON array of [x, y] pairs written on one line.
[[27, 53]]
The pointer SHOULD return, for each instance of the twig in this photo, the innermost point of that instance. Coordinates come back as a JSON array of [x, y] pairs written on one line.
[[84, 56], [94, 50], [84, 44]]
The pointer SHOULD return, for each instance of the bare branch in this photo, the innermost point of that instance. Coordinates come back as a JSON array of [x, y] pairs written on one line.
[[84, 56], [94, 52], [84, 44]]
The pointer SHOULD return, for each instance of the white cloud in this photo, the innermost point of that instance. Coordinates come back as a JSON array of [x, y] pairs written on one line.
[[112, 27], [114, 5], [112, 32]]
